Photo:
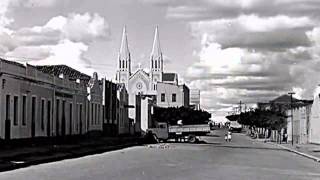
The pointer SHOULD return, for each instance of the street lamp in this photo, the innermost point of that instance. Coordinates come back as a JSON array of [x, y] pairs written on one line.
[[291, 93]]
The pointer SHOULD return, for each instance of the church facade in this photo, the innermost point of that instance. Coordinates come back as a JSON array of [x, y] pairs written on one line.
[[140, 81]]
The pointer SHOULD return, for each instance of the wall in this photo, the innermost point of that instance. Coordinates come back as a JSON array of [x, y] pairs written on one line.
[[314, 136], [20, 81], [181, 91]]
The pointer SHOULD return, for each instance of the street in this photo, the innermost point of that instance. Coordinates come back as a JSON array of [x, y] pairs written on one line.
[[242, 158]]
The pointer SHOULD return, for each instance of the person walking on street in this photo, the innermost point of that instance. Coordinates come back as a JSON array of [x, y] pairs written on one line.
[[229, 136], [226, 137]]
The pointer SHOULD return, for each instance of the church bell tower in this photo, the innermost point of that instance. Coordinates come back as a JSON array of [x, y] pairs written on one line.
[[124, 60], [156, 61]]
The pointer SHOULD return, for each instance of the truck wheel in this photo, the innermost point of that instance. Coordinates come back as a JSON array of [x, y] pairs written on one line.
[[192, 138]]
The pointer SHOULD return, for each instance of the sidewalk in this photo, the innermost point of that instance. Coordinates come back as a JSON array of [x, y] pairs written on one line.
[[17, 156], [311, 151]]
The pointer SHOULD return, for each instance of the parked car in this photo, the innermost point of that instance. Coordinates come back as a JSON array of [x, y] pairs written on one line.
[[235, 126]]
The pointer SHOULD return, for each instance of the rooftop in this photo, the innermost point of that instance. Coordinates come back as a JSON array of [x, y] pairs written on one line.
[[56, 70]]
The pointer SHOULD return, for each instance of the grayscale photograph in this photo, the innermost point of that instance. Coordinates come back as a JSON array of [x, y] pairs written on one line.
[[159, 90]]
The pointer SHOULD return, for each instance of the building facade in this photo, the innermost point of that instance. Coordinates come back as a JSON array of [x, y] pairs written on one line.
[[172, 95], [116, 102], [301, 123], [195, 99], [44, 101], [315, 121], [144, 111]]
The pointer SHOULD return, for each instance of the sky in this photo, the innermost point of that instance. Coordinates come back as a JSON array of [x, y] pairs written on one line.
[[248, 50]]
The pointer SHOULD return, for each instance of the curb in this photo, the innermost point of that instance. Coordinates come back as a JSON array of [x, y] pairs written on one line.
[[297, 152], [68, 154]]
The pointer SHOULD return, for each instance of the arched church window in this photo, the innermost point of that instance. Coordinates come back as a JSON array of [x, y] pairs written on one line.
[[155, 64], [119, 64], [151, 63], [122, 64]]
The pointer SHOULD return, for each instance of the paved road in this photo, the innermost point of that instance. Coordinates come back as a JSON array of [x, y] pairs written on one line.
[[241, 159]]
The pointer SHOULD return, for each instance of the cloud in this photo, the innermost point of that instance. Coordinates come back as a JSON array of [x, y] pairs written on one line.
[[33, 3], [62, 40], [250, 50], [75, 27], [216, 9], [255, 32], [66, 52]]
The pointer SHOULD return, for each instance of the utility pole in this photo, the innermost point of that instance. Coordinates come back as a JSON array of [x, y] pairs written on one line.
[[291, 93]]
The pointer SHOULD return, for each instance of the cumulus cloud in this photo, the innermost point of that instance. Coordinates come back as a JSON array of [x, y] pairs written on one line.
[[33, 3], [75, 27], [251, 50], [251, 31], [62, 40]]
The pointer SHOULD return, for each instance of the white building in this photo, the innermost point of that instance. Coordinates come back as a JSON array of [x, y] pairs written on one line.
[[43, 101], [195, 98], [141, 82], [315, 121], [172, 95], [144, 111], [301, 123]]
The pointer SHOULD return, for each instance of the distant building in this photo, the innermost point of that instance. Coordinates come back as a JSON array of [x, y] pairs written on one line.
[[115, 100], [195, 98], [314, 131], [144, 111], [301, 123], [110, 108], [122, 110], [172, 95], [44, 101], [301, 116], [141, 82]]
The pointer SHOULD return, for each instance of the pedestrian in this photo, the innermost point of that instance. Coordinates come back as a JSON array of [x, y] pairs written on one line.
[[226, 137], [229, 136]]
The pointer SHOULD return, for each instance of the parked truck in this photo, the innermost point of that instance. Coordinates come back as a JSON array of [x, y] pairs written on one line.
[[163, 132]]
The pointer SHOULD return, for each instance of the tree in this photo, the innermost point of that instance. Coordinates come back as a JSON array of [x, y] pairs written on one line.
[[261, 118], [172, 114]]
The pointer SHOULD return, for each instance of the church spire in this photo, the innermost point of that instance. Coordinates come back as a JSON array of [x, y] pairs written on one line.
[[156, 49], [124, 53]]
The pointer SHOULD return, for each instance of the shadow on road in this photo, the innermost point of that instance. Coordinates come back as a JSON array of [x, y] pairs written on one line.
[[249, 147]]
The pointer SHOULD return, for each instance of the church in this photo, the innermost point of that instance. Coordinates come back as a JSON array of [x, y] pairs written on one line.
[[163, 86]]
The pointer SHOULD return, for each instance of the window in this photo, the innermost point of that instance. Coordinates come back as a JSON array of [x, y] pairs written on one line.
[[70, 118], [33, 115], [151, 64], [15, 110], [99, 114], [155, 64], [92, 113], [95, 114], [57, 116], [174, 98], [48, 117], [24, 110], [8, 107], [80, 116], [163, 97], [42, 115]]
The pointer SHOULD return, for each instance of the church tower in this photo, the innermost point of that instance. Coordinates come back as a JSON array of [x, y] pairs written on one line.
[[156, 62], [124, 60]]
